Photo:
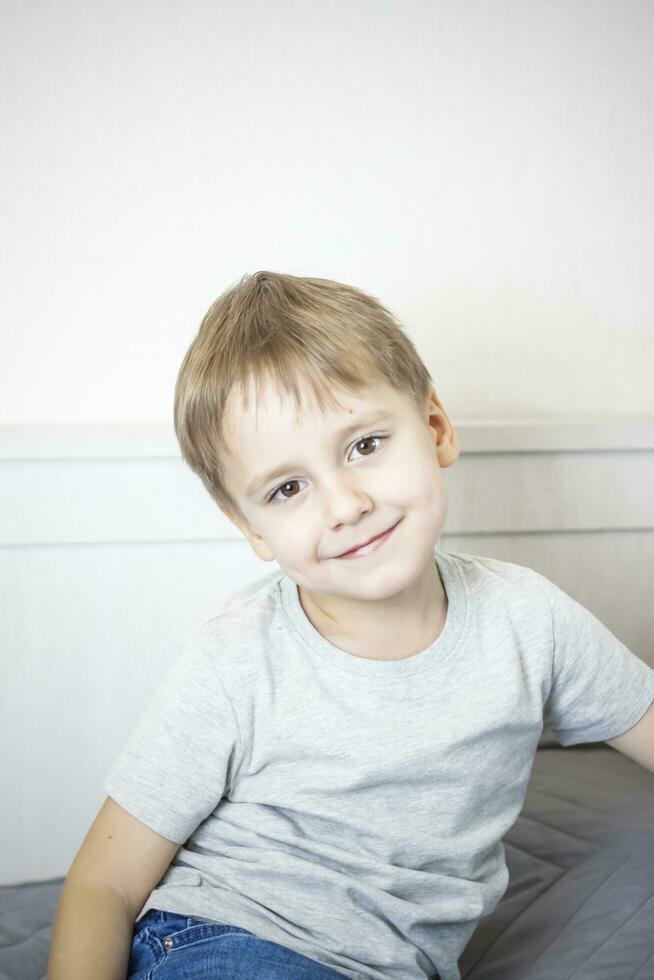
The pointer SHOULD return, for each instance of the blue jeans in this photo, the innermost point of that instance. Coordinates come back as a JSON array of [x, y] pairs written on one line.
[[168, 946]]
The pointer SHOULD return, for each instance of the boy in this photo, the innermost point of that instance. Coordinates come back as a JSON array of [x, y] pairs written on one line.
[[321, 783]]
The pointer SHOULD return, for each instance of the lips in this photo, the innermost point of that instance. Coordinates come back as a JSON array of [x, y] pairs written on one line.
[[369, 541]]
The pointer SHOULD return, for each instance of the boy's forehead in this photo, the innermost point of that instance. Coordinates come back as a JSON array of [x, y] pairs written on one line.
[[280, 406]]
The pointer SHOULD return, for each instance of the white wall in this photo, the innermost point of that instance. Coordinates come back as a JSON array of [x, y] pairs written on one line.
[[483, 167]]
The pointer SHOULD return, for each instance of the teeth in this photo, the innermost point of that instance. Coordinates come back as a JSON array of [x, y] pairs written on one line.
[[366, 548]]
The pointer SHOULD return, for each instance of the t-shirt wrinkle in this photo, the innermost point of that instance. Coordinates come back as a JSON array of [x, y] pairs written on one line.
[[537, 579], [237, 754]]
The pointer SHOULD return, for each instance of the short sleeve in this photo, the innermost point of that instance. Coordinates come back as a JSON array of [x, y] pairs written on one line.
[[599, 688], [172, 771]]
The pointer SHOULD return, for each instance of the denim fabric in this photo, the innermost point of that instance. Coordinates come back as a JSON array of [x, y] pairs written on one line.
[[168, 946]]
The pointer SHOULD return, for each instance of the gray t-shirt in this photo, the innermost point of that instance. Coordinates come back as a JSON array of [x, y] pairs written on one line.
[[353, 809]]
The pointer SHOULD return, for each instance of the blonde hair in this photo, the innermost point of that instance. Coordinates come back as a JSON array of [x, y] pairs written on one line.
[[281, 328]]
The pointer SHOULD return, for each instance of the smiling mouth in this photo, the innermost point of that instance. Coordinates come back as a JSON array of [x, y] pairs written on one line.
[[370, 546]]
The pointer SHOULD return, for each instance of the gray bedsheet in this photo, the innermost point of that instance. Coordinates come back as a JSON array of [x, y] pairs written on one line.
[[580, 901]]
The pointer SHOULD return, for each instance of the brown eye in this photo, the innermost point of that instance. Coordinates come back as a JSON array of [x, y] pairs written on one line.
[[289, 484], [368, 439]]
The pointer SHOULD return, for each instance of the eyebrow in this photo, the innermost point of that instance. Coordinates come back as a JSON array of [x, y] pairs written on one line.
[[260, 481]]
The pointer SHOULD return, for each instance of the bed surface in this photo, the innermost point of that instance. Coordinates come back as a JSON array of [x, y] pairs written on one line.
[[580, 900]]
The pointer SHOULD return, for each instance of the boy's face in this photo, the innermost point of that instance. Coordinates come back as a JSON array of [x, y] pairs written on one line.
[[340, 490]]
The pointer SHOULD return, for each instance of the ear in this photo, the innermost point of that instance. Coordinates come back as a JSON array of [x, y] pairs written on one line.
[[257, 543], [447, 444]]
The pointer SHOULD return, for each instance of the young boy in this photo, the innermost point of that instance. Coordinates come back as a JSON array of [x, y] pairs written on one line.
[[321, 783]]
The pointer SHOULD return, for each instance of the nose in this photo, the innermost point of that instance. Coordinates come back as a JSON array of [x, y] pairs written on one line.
[[346, 503]]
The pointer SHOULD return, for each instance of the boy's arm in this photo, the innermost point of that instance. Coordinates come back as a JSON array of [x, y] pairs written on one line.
[[638, 742], [119, 863], [92, 934]]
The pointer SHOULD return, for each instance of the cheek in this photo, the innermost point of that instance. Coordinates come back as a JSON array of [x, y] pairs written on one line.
[[292, 535], [417, 485]]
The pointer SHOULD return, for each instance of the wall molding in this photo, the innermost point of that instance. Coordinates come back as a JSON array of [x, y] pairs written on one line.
[[158, 441]]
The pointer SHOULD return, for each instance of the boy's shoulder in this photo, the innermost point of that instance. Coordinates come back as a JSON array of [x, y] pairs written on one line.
[[248, 607], [504, 599], [482, 570]]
